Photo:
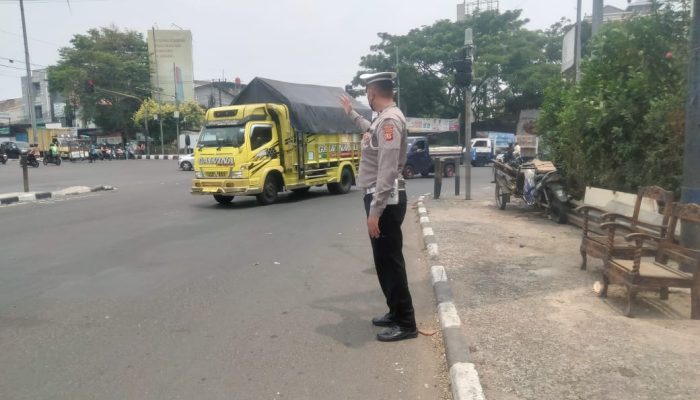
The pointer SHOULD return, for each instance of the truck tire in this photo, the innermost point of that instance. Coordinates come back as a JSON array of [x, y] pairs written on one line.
[[345, 183], [409, 172], [448, 170], [269, 191], [223, 199]]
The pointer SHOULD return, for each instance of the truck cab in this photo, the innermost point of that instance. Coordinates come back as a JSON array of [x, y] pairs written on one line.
[[482, 151]]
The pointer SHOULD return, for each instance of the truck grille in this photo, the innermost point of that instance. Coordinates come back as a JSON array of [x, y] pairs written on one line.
[[216, 174]]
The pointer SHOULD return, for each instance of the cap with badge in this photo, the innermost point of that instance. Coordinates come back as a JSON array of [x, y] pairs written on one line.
[[377, 77]]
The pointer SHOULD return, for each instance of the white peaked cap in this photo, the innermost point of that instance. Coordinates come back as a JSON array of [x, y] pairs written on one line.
[[378, 76]]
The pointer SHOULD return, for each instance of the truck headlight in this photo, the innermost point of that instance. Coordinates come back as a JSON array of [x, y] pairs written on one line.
[[198, 175], [236, 174]]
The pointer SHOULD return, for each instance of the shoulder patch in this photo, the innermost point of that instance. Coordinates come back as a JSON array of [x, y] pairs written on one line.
[[389, 132]]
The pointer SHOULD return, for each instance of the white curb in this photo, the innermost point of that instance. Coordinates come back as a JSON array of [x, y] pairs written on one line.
[[449, 318], [438, 273], [465, 382]]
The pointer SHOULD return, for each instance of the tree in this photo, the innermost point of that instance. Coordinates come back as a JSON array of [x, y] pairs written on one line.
[[511, 68], [114, 60], [191, 118], [622, 127]]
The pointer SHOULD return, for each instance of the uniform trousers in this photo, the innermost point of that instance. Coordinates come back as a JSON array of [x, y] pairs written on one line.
[[389, 261]]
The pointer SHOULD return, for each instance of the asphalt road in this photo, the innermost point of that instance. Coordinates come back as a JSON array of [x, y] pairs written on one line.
[[150, 293]]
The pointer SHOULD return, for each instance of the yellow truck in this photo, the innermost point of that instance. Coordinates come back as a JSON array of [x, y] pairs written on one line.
[[276, 137], [45, 136]]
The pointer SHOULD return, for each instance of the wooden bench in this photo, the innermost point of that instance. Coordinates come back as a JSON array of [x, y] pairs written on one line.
[[594, 241], [664, 270]]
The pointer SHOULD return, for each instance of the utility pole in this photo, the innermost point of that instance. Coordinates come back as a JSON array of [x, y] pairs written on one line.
[[29, 83], [398, 81], [177, 111], [577, 53], [690, 190], [160, 117], [597, 20], [468, 47]]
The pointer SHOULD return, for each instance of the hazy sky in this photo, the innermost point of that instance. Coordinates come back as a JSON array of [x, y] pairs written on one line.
[[304, 41]]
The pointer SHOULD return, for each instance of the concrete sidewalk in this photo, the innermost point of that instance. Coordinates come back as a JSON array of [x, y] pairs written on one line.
[[534, 325]]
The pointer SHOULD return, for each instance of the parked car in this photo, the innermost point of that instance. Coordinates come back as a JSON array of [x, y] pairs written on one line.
[[186, 162], [13, 149]]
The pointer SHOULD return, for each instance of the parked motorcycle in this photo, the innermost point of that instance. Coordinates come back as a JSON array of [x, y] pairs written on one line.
[[537, 183], [3, 158]]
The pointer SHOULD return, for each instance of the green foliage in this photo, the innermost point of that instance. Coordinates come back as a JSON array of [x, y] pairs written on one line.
[[116, 61], [511, 67], [622, 127], [191, 118]]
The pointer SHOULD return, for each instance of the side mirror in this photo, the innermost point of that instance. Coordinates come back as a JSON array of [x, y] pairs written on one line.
[[240, 137], [187, 140]]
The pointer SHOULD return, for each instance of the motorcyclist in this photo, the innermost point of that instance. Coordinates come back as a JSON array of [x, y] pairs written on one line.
[[53, 150], [32, 153]]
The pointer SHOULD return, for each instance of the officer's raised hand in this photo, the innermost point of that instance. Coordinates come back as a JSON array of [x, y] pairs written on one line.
[[345, 102]]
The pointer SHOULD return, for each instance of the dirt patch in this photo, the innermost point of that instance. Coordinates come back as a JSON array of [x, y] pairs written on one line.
[[537, 328]]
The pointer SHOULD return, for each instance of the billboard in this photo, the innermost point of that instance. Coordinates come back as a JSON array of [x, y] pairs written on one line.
[[425, 125], [170, 57], [568, 50]]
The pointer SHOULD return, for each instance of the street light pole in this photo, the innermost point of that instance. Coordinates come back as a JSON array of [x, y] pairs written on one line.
[[28, 85], [690, 189], [577, 52]]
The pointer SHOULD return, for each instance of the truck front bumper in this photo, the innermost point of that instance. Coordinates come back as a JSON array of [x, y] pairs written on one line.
[[231, 187]]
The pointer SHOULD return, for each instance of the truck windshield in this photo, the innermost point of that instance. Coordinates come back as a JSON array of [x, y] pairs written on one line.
[[218, 136]]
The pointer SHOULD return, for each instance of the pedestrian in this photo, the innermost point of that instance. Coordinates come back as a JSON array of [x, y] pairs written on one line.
[[383, 157]]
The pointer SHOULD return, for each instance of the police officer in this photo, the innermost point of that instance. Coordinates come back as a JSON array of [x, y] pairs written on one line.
[[383, 157]]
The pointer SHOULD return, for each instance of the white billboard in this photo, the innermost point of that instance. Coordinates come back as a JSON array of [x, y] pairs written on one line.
[[170, 56], [568, 50]]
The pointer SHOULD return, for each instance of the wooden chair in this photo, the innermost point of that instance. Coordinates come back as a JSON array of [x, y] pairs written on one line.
[[594, 241], [661, 273]]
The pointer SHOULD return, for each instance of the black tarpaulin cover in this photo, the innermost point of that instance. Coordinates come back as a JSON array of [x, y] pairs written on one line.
[[313, 108]]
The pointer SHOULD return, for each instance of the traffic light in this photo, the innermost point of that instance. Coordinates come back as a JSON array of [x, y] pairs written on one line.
[[90, 86], [463, 72]]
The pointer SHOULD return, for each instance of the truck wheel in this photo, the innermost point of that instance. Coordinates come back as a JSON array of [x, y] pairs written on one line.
[[58, 161], [345, 183], [269, 191], [500, 198], [449, 170], [223, 199], [408, 172]]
